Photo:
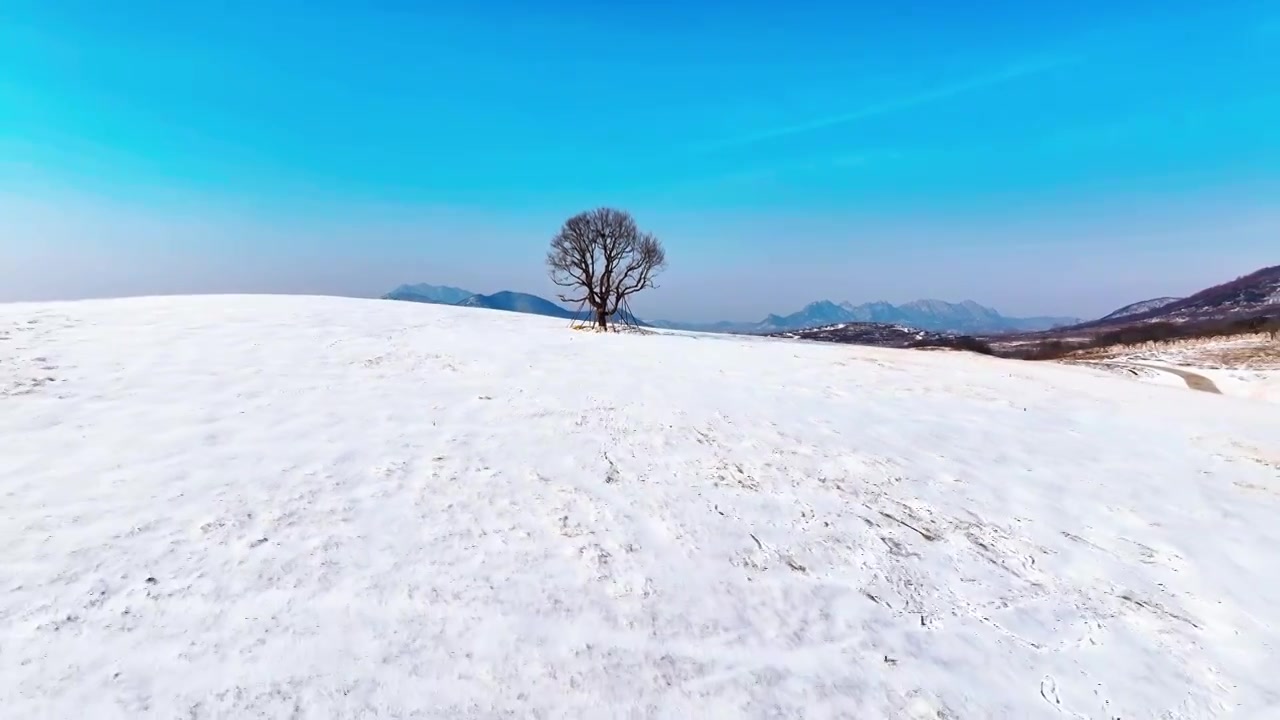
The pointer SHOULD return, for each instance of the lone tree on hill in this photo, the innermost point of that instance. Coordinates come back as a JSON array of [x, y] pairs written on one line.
[[604, 258]]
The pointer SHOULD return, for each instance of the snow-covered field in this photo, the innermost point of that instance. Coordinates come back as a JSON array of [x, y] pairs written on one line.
[[1254, 384], [321, 508]]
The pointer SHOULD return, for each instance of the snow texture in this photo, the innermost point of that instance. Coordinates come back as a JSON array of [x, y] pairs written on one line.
[[1254, 384], [234, 507]]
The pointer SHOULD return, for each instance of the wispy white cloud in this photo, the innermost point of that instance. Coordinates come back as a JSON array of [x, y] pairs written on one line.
[[762, 176], [906, 102]]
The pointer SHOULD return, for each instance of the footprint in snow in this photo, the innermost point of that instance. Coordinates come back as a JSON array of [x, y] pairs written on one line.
[[1049, 691]]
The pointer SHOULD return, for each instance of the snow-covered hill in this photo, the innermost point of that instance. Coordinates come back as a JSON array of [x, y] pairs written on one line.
[[1140, 307], [321, 508], [1256, 294]]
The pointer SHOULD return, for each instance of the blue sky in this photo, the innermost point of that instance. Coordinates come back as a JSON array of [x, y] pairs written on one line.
[[1056, 159]]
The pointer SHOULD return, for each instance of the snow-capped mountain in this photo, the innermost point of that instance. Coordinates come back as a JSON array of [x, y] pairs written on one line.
[[1140, 307]]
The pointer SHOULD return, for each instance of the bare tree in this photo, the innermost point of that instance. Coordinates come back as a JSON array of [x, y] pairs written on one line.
[[603, 258]]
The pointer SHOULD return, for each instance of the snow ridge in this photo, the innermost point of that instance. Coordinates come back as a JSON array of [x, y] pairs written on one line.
[[1140, 307]]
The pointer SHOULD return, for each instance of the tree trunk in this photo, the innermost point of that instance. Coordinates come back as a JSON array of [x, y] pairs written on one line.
[[602, 320]]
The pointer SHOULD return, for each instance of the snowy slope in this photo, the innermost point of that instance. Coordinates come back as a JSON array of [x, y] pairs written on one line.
[[319, 508], [1140, 307], [1254, 295]]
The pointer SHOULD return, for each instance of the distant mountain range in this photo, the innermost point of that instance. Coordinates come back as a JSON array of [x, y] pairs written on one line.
[[933, 315], [869, 333], [517, 302], [424, 293], [505, 300], [534, 305], [880, 323]]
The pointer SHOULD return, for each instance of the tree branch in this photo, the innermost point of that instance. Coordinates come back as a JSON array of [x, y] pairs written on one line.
[[604, 254]]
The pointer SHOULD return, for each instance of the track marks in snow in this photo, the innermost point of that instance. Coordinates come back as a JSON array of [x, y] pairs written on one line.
[[1194, 381], [600, 541]]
